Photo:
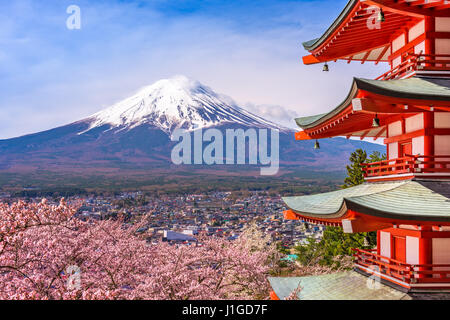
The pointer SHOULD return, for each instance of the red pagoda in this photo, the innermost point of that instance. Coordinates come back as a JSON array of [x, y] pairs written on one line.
[[405, 198]]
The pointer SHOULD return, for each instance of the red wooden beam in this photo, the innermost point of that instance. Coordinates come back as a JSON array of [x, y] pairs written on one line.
[[409, 8], [379, 134]]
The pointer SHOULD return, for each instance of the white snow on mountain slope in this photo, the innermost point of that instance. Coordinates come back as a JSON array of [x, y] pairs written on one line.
[[173, 103]]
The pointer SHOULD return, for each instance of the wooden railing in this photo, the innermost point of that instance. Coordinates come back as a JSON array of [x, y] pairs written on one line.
[[409, 273], [413, 62], [409, 164]]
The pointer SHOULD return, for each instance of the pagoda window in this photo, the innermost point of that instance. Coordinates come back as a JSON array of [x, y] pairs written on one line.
[[385, 244], [416, 31], [398, 43], [395, 129], [440, 253], [412, 250], [442, 46], [418, 145], [442, 120], [396, 62], [442, 146], [414, 123], [420, 48], [393, 150], [442, 142], [442, 24]]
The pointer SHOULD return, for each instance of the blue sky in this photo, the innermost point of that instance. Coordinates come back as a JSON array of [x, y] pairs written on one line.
[[250, 50]]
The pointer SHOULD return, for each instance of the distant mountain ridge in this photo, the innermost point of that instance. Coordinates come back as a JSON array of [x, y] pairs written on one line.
[[135, 134]]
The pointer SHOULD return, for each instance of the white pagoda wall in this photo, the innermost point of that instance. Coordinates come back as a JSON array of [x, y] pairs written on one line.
[[397, 44], [393, 150], [442, 46], [442, 145], [415, 32], [385, 244], [412, 247], [442, 142], [442, 24], [394, 129], [440, 253], [418, 145], [412, 124], [412, 250], [442, 120]]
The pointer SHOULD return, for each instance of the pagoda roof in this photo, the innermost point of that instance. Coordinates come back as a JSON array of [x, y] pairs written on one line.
[[350, 38], [417, 200], [314, 43], [417, 90]]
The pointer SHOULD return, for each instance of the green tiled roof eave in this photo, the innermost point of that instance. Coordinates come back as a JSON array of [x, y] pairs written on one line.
[[305, 121], [312, 121], [415, 200], [420, 88], [312, 44], [329, 204], [308, 44], [411, 200]]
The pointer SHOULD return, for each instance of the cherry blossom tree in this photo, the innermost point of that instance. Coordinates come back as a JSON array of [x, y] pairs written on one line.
[[48, 253]]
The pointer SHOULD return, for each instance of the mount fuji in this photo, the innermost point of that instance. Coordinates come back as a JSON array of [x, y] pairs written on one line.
[[135, 134], [174, 103]]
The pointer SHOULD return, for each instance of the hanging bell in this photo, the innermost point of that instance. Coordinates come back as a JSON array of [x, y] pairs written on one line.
[[381, 16], [325, 68], [316, 145], [376, 122]]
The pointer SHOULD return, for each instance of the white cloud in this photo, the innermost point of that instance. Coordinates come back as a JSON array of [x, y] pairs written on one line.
[[274, 113]]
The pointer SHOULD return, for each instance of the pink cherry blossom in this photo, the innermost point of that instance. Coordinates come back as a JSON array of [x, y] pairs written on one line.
[[47, 253]]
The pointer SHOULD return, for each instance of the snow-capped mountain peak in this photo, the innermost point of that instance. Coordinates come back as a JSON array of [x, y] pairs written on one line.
[[178, 102]]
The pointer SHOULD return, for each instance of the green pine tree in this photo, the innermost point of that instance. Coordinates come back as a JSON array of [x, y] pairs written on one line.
[[335, 242], [355, 170]]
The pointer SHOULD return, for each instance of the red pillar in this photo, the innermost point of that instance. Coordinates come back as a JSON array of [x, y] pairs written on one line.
[[378, 242], [392, 245], [425, 253], [429, 39], [428, 144], [428, 123]]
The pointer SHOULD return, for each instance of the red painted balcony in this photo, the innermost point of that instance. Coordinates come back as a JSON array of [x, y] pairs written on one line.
[[408, 166], [429, 64], [407, 275]]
